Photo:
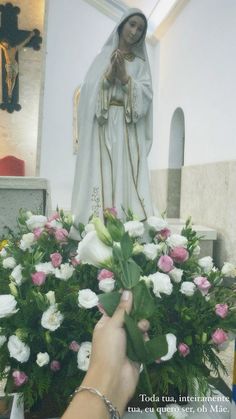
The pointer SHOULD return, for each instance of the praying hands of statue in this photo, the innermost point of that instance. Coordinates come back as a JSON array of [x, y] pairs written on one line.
[[117, 68]]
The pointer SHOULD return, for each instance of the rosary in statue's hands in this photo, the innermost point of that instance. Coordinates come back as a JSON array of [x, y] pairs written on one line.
[[117, 68]]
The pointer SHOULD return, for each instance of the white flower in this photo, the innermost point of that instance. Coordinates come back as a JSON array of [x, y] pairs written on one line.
[[171, 340], [89, 227], [92, 250], [187, 288], [27, 241], [54, 224], [51, 297], [157, 223], [83, 356], [176, 240], [36, 221], [17, 274], [196, 250], [87, 298], [3, 339], [134, 228], [106, 285], [64, 272], [161, 284], [150, 250], [17, 349], [42, 359], [176, 412], [3, 253], [52, 318], [206, 264], [229, 270], [176, 274], [45, 267], [9, 263], [7, 305]]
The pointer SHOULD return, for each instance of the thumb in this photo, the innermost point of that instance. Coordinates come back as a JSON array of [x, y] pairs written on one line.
[[125, 305]]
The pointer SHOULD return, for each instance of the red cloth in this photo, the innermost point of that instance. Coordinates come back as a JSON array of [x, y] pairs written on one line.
[[12, 166]]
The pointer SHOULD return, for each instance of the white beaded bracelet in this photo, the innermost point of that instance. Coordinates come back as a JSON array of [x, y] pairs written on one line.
[[114, 414]]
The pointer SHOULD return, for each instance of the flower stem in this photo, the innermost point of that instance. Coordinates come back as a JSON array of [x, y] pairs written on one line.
[[150, 390]]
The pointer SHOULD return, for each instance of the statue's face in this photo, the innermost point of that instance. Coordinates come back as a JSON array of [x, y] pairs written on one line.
[[132, 30]]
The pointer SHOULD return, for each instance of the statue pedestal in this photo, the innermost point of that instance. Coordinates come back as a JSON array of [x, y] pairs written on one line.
[[29, 193]]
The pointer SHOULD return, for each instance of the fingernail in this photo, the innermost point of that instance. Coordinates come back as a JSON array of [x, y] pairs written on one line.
[[125, 295]]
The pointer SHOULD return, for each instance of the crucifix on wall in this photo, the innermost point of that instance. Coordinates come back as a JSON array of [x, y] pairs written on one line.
[[12, 40]]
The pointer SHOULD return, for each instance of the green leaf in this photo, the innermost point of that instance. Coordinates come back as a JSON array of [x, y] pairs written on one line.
[[109, 301], [126, 246], [143, 302], [132, 274], [116, 229], [156, 348], [136, 340]]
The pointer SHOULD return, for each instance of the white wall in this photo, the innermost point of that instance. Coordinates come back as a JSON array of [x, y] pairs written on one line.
[[197, 73]]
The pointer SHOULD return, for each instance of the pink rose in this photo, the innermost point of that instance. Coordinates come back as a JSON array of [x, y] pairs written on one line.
[[56, 259], [112, 211], [203, 284], [55, 366], [104, 274], [54, 216], [37, 232], [38, 278], [61, 234], [183, 349], [164, 234], [219, 336], [222, 310], [179, 254], [19, 378], [165, 263], [75, 262], [74, 346]]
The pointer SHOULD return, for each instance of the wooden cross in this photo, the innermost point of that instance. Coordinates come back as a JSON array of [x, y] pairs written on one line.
[[12, 40]]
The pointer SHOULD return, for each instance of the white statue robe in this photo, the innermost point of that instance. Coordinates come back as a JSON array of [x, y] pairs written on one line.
[[115, 135]]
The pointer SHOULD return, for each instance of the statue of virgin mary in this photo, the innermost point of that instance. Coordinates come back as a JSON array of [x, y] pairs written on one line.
[[115, 126]]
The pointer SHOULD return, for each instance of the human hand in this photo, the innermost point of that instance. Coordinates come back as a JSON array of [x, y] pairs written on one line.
[[110, 370], [111, 71], [121, 73]]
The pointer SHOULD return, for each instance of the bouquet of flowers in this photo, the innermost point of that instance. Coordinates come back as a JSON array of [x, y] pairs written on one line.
[[53, 289]]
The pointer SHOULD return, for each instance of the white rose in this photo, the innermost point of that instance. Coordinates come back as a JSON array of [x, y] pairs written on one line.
[[45, 267], [42, 359], [171, 340], [51, 297], [27, 241], [206, 264], [9, 263], [134, 228], [176, 412], [7, 305], [176, 240], [52, 318], [87, 298], [176, 274], [228, 270], [83, 356], [36, 221], [157, 223], [92, 250], [17, 274], [64, 272], [161, 284], [150, 250], [3, 253], [17, 349], [3, 339], [187, 288], [196, 250], [106, 285]]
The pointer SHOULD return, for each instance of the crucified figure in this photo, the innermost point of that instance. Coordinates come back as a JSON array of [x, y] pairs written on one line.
[[12, 67]]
